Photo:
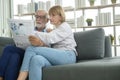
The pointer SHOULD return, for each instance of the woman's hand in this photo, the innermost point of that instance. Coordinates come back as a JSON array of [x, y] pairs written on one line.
[[48, 30], [35, 41]]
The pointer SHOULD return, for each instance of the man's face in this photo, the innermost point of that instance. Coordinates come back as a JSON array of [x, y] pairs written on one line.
[[41, 19]]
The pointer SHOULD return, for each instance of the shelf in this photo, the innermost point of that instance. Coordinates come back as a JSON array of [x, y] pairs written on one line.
[[98, 26], [99, 7], [29, 14], [93, 7], [102, 6], [116, 45], [68, 8], [26, 14]]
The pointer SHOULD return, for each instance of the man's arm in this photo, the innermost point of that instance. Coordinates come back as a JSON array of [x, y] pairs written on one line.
[[36, 41]]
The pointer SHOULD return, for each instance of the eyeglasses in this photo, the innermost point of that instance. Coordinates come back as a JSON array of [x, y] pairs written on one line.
[[40, 17]]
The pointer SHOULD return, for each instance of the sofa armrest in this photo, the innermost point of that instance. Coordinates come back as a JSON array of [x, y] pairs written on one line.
[[108, 51], [4, 41]]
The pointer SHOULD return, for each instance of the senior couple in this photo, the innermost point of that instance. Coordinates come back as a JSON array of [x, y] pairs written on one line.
[[48, 48]]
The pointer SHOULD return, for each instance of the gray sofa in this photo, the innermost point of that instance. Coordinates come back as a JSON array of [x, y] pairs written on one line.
[[94, 60]]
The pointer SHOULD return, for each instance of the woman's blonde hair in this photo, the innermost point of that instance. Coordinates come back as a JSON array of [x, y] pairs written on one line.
[[57, 10]]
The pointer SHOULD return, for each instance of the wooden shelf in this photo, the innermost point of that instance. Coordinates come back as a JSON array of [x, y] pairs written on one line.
[[26, 14], [116, 45], [92, 7], [98, 26], [99, 7], [69, 8]]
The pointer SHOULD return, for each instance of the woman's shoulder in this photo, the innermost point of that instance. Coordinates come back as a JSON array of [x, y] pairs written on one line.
[[65, 24]]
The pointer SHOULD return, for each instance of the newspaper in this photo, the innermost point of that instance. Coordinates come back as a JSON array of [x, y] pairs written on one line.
[[21, 29]]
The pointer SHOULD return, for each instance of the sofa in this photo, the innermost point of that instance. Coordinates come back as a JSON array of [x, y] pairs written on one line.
[[94, 59]]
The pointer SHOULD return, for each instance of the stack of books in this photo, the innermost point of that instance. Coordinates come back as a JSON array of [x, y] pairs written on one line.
[[58, 2], [117, 20], [41, 5], [22, 9], [32, 7], [71, 22], [80, 21], [48, 5], [79, 3], [104, 2], [103, 19]]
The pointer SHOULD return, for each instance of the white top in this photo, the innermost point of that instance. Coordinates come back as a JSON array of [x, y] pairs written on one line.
[[60, 38]]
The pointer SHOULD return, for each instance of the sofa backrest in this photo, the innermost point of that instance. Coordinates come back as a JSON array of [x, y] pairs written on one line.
[[92, 44]]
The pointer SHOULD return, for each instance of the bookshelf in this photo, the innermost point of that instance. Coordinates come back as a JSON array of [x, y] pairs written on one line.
[[110, 19]]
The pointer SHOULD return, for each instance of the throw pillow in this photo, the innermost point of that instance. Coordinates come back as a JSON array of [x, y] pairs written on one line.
[[90, 44]]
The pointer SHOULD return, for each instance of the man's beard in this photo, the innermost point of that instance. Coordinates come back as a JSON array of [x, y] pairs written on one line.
[[39, 25]]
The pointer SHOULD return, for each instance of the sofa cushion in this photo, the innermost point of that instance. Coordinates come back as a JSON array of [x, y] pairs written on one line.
[[102, 69], [90, 44]]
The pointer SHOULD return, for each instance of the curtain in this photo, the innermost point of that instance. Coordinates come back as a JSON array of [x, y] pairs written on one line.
[[5, 14]]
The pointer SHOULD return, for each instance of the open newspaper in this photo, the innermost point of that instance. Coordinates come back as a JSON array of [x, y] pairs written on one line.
[[21, 29]]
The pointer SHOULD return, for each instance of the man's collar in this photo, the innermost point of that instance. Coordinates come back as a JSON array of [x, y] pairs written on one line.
[[43, 30]]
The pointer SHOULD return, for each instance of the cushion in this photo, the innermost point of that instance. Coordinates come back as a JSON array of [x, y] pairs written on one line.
[[90, 44]]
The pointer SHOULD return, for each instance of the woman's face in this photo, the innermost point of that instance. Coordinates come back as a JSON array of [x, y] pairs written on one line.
[[55, 20]]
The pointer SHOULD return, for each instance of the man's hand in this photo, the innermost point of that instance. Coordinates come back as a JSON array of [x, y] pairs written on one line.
[[35, 41]]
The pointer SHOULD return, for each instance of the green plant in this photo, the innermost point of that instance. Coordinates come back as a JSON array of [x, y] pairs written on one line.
[[113, 1], [89, 20], [91, 0], [112, 38]]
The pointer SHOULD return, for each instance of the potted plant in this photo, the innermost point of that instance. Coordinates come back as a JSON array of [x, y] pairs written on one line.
[[113, 1], [91, 2], [119, 39], [89, 21], [112, 38]]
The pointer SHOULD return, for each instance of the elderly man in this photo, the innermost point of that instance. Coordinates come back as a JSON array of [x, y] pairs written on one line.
[[12, 56]]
